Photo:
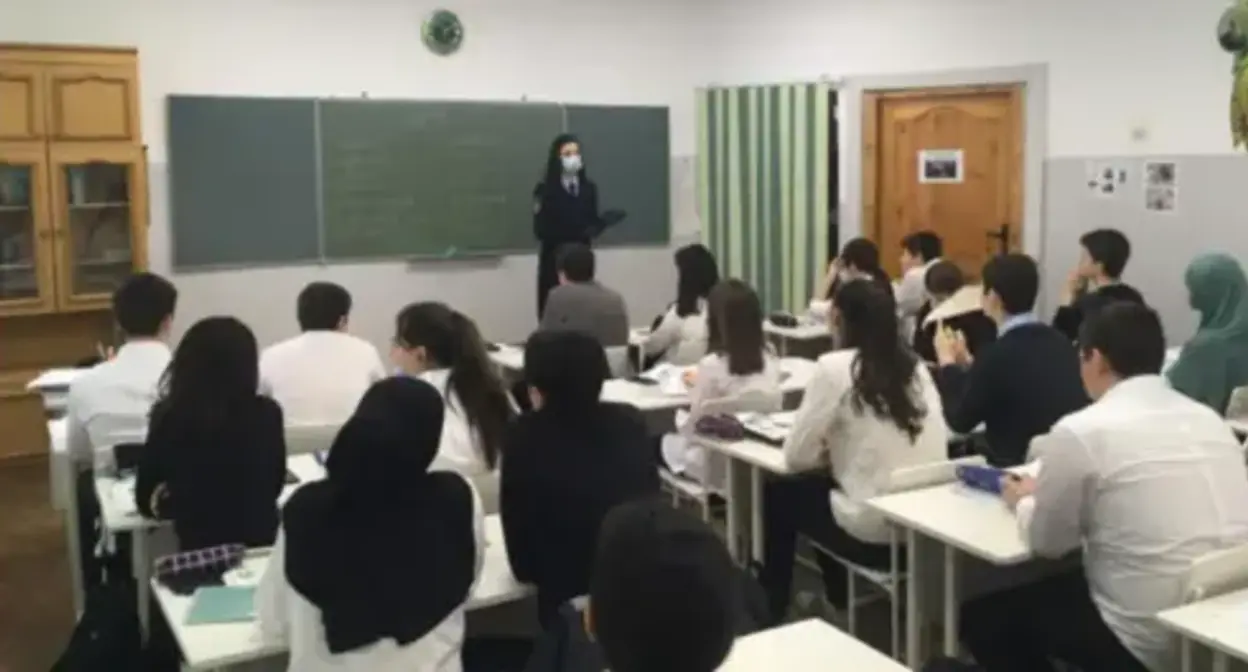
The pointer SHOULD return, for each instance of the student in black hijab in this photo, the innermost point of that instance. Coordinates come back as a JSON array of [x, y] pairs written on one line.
[[565, 210], [374, 564]]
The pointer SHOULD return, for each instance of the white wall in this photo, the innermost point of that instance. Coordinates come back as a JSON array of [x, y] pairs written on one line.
[[594, 51], [1114, 65]]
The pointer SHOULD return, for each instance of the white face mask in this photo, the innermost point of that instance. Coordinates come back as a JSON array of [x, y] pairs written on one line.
[[571, 164]]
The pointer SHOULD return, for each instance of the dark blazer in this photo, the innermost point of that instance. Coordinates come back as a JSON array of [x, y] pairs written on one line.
[[1018, 387], [222, 480], [978, 328], [1068, 319], [561, 474], [560, 218]]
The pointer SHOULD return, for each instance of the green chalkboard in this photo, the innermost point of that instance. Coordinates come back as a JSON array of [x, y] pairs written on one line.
[[420, 179], [269, 181]]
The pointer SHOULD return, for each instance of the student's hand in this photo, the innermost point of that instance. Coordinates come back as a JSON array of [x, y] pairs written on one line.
[[1074, 283], [1015, 488], [950, 346]]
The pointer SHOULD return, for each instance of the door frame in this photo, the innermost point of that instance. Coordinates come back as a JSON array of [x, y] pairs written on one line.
[[1033, 79]]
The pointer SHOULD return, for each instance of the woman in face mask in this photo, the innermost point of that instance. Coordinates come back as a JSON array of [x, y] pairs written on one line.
[[565, 210]]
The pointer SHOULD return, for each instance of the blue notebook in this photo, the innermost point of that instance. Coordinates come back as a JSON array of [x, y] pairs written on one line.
[[222, 604]]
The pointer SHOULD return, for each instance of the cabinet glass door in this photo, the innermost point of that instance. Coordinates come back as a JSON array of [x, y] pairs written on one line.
[[97, 192], [25, 273]]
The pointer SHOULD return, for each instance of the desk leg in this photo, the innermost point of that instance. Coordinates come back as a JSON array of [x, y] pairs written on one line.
[[1185, 654], [141, 565], [1220, 662], [74, 545], [895, 598], [951, 601], [756, 514], [733, 508], [913, 613]]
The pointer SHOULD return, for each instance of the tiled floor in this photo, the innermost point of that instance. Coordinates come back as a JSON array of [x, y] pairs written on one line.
[[36, 611]]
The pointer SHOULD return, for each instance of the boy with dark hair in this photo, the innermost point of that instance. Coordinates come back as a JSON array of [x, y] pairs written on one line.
[[319, 376], [956, 306], [1021, 384], [1131, 481], [919, 252], [1096, 281], [581, 303]]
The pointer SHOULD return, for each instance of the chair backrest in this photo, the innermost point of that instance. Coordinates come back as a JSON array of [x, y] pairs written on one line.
[[1217, 573], [927, 475], [305, 439], [617, 360], [1237, 407]]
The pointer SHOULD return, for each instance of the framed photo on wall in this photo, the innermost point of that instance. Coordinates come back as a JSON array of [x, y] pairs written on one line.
[[941, 166]]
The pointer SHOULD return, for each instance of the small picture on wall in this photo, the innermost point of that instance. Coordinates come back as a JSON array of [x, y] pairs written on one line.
[[1163, 199], [941, 166], [1161, 174]]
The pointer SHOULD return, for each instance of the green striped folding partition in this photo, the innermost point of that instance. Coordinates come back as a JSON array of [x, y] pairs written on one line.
[[762, 186]]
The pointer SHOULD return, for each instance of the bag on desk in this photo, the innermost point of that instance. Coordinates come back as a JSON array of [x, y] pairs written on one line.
[[723, 427], [184, 572], [107, 636]]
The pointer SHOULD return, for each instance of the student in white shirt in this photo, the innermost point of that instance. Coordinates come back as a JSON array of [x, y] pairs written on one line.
[[373, 565], [919, 252], [319, 376], [870, 408], [1144, 481], [738, 375], [110, 403], [679, 336], [443, 347]]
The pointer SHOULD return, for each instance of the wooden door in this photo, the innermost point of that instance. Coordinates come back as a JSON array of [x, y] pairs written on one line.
[[26, 257], [21, 102], [93, 103], [99, 192], [969, 206]]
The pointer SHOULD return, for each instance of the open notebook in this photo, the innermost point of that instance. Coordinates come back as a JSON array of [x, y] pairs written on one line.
[[770, 427]]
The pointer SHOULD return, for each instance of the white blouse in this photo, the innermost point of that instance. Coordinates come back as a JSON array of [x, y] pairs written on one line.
[[862, 448], [716, 390], [680, 340], [461, 449], [284, 614]]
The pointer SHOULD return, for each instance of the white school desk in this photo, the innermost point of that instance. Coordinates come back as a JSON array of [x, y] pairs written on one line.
[[53, 386], [798, 373], [206, 647], [120, 515], [1220, 623], [805, 332], [63, 487], [807, 646], [757, 458], [973, 522]]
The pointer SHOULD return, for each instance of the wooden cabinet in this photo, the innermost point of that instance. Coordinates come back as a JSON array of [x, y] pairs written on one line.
[[73, 214]]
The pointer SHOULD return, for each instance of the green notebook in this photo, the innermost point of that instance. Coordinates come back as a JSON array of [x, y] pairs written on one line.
[[222, 604]]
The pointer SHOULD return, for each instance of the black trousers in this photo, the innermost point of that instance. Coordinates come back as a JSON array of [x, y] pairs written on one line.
[[794, 506], [1024, 628]]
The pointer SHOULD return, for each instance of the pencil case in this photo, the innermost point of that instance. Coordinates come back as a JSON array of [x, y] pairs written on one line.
[[986, 479]]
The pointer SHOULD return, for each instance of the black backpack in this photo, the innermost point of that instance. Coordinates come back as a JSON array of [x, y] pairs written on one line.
[[107, 637]]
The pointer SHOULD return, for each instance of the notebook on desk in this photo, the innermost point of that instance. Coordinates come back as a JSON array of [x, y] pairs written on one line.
[[222, 604], [772, 428]]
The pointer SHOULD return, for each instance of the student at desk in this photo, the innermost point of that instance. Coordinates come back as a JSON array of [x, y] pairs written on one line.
[[1215, 361], [679, 335], [215, 459], [442, 347], [374, 564], [1023, 382], [739, 375], [580, 303], [870, 408], [1144, 481], [1096, 281], [859, 259], [919, 252], [567, 463], [955, 306], [319, 376]]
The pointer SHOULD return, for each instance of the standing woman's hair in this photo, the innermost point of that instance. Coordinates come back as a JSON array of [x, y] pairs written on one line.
[[452, 341], [884, 369], [214, 370], [696, 273], [554, 165], [734, 321]]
